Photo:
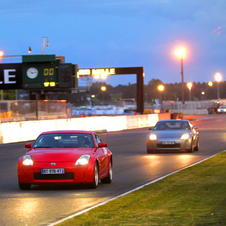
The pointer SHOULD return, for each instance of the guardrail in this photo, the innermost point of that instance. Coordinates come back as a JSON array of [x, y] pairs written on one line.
[[29, 130]]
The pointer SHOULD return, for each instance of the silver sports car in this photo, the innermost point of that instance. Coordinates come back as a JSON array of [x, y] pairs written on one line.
[[172, 135], [221, 109]]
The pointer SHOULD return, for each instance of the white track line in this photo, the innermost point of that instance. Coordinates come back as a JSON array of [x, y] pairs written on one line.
[[138, 188]]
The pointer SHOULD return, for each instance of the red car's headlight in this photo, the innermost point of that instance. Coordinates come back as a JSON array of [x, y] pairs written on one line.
[[83, 160], [27, 160]]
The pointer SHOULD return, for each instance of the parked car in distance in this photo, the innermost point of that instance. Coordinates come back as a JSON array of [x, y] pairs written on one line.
[[130, 112], [173, 135]]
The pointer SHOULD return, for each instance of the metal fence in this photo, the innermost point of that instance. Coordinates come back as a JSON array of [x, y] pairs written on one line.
[[20, 110], [189, 105]]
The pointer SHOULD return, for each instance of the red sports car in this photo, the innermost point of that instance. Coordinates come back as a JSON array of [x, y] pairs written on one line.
[[68, 156]]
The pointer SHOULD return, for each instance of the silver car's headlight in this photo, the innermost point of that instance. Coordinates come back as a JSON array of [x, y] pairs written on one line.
[[83, 160], [185, 136], [27, 160], [153, 137]]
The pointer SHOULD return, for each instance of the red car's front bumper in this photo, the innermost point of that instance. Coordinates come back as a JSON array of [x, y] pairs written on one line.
[[73, 174]]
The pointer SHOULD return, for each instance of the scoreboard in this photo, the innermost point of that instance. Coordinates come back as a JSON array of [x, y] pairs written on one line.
[[39, 71], [65, 75], [45, 72]]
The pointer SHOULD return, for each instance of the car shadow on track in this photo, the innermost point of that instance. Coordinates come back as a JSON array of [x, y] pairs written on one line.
[[63, 187]]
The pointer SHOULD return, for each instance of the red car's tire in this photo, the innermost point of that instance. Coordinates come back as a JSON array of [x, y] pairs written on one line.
[[94, 184], [108, 179], [149, 151], [24, 186]]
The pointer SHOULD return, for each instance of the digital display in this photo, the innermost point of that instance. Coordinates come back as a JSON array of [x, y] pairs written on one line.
[[39, 75], [96, 72], [48, 71], [65, 76]]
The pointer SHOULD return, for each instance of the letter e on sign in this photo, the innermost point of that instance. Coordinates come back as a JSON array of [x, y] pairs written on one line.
[[8, 76], [11, 76]]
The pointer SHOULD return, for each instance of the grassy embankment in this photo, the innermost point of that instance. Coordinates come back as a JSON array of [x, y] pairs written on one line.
[[193, 196]]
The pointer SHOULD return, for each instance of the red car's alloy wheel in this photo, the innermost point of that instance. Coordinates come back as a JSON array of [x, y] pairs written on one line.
[[96, 177], [108, 179]]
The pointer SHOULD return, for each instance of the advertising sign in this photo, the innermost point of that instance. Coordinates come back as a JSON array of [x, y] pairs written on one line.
[[11, 76]]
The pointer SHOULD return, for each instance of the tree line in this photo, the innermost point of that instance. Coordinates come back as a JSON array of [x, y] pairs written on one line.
[[172, 91]]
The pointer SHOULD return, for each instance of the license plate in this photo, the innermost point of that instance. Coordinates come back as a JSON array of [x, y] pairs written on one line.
[[168, 142], [53, 171]]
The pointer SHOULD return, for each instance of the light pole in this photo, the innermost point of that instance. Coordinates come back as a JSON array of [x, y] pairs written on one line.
[[43, 44], [161, 89], [218, 78], [92, 97], [1, 55], [189, 85], [180, 52], [210, 83], [29, 50], [103, 88], [203, 94]]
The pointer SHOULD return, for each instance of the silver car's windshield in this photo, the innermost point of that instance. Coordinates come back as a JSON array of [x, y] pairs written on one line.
[[172, 125], [58, 140]]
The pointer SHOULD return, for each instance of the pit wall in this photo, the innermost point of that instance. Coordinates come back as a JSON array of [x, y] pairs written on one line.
[[29, 130]]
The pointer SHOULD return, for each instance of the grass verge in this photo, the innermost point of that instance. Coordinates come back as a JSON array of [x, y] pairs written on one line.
[[193, 196]]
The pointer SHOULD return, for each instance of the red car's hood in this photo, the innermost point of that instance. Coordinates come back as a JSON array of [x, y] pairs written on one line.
[[58, 154]]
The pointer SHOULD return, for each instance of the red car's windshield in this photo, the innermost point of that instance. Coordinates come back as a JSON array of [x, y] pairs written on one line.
[[58, 140]]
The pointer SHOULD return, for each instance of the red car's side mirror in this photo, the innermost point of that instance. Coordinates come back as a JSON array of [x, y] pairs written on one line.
[[102, 144], [28, 145]]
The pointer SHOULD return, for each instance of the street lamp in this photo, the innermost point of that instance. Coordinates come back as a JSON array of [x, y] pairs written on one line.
[[210, 83], [161, 89], [29, 50], [203, 94], [218, 78], [43, 44], [189, 85], [92, 97], [1, 55], [103, 88], [180, 52]]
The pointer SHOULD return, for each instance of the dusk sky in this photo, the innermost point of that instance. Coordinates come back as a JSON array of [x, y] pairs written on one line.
[[122, 33]]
